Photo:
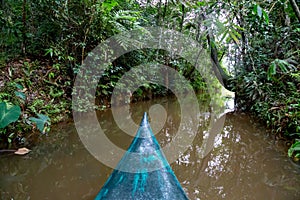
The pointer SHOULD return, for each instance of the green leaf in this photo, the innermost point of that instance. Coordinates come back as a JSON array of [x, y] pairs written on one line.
[[266, 16], [238, 27], [290, 152], [49, 51], [224, 35], [104, 92], [271, 70], [234, 37], [295, 134], [220, 26], [293, 148], [109, 5], [41, 121], [297, 148], [282, 65], [201, 3], [139, 92], [10, 137], [20, 95], [20, 87], [8, 114]]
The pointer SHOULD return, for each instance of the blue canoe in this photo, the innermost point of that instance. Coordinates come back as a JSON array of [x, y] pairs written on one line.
[[143, 172]]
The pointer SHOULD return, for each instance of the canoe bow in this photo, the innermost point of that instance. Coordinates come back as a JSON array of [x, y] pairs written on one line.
[[143, 173]]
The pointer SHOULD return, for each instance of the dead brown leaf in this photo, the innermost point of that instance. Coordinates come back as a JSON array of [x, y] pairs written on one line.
[[22, 151]]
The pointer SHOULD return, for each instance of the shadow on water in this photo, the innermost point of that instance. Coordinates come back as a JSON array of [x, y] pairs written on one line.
[[244, 163]]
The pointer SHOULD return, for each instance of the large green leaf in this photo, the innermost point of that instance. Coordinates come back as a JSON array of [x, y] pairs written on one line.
[[8, 114], [41, 121]]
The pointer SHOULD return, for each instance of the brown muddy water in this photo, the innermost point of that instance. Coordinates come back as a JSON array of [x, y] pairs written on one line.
[[245, 163]]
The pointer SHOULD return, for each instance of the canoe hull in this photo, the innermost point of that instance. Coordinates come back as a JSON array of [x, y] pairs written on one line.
[[143, 172]]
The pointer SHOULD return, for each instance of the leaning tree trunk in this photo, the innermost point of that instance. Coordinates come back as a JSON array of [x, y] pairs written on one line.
[[24, 27], [295, 9], [222, 76]]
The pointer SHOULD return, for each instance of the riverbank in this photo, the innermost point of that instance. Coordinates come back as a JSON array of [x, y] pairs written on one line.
[[41, 88], [40, 92], [274, 98]]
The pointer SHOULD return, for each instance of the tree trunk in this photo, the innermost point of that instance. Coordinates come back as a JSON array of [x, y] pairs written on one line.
[[295, 9], [182, 18], [24, 27], [218, 70], [165, 11], [222, 76]]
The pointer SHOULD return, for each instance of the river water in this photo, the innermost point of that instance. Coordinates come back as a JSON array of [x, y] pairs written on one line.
[[244, 163]]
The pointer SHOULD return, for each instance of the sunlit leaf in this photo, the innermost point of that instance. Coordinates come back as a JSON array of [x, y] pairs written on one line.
[[201, 3], [266, 16], [293, 148], [224, 35], [234, 37], [49, 51], [109, 5], [238, 27]]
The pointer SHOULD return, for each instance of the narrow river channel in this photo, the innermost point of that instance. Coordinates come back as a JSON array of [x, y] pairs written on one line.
[[245, 163]]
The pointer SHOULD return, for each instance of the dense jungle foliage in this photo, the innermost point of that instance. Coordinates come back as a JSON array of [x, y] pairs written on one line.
[[253, 44]]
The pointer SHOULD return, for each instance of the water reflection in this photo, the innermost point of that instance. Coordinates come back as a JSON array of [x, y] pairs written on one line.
[[243, 164]]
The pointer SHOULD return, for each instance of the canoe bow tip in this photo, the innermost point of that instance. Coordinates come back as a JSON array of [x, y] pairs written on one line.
[[145, 119]]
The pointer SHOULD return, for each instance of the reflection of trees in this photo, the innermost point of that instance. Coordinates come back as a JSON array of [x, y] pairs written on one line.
[[242, 164], [236, 168]]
